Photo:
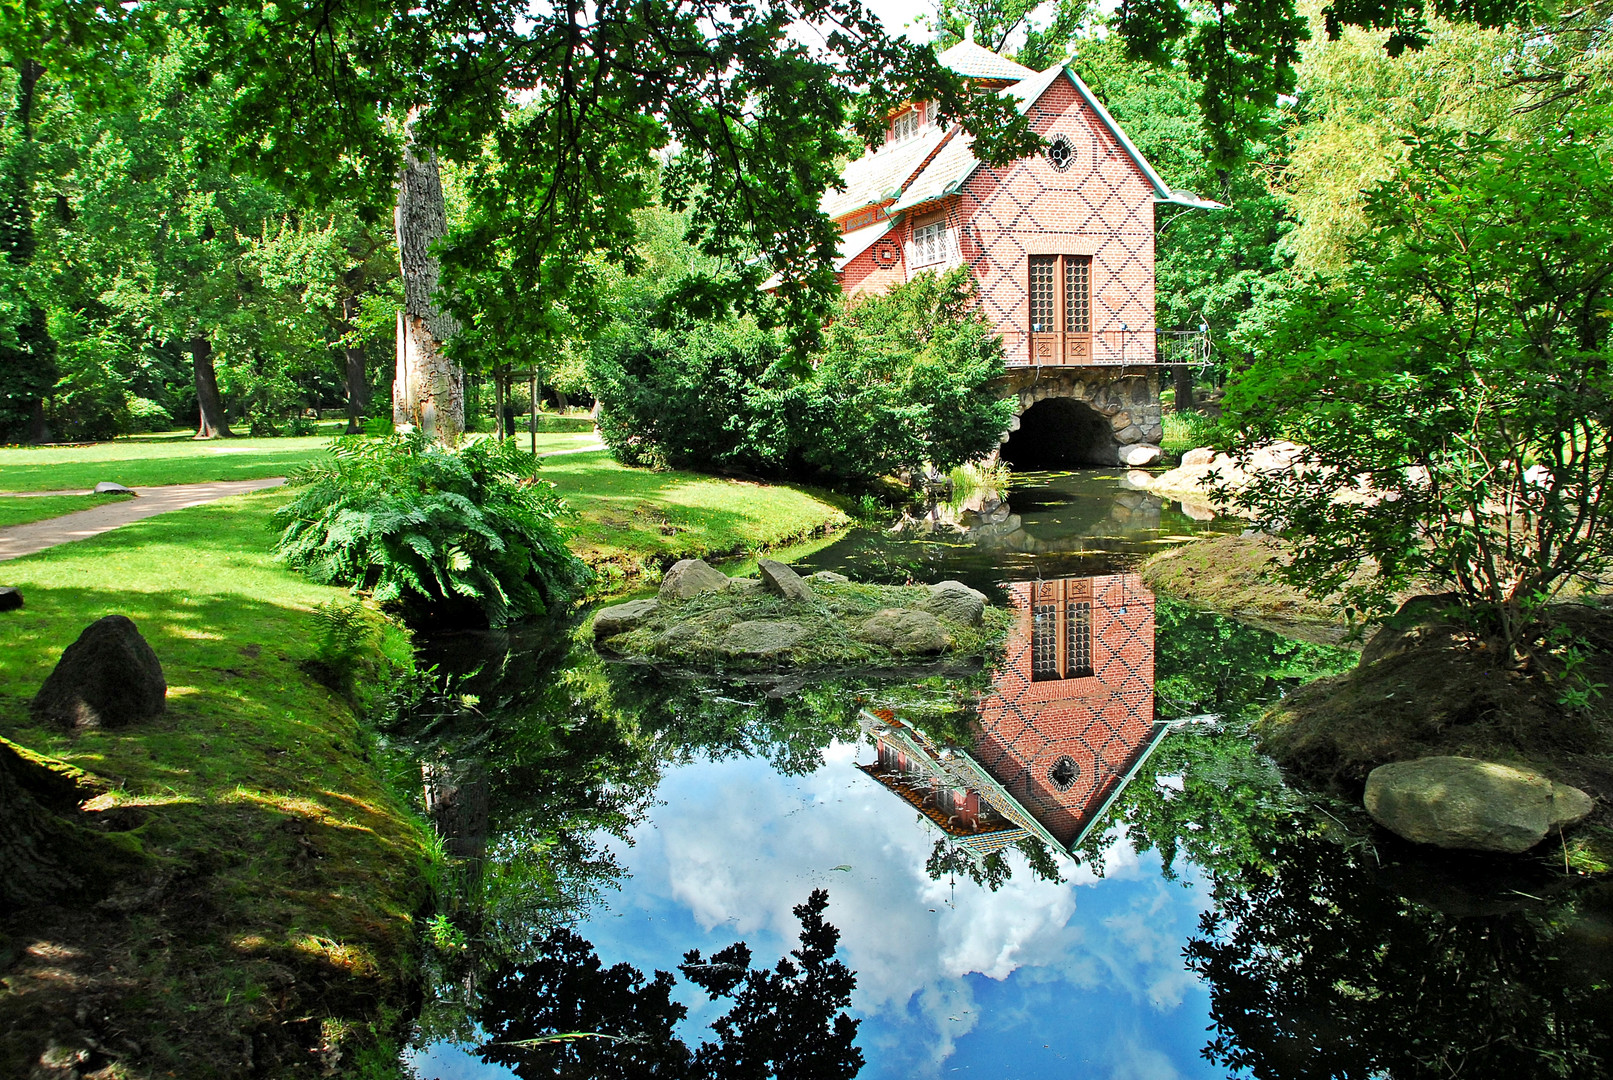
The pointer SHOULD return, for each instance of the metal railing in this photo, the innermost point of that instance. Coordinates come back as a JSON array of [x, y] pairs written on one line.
[[1114, 348]]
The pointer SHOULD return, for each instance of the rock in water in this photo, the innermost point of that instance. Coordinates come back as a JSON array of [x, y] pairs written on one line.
[[620, 618], [10, 598], [780, 580], [761, 638], [904, 630], [107, 678], [107, 487], [1139, 454], [691, 577], [956, 601], [1470, 805]]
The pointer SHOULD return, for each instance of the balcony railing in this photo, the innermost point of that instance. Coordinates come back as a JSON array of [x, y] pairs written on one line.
[[1108, 348]]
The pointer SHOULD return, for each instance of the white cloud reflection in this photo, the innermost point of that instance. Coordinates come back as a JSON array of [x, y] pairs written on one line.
[[735, 846]]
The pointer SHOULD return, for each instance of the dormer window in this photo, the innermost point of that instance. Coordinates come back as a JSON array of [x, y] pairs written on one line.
[[907, 125]]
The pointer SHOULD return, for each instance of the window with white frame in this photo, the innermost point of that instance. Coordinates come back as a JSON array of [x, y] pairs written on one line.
[[930, 243], [906, 126]]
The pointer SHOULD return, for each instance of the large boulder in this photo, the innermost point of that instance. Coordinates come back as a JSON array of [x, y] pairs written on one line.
[[956, 601], [1138, 455], [1201, 455], [10, 598], [107, 678], [761, 638], [828, 577], [780, 580], [620, 618], [691, 577], [905, 631], [1471, 805]]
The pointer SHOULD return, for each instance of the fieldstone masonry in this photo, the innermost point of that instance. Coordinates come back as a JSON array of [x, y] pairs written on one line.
[[1127, 400]]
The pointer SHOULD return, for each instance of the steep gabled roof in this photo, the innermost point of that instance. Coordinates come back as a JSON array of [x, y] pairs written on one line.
[[882, 174], [974, 62], [956, 162]]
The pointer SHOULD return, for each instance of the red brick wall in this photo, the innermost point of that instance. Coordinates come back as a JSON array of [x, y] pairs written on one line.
[[1101, 723], [1101, 205]]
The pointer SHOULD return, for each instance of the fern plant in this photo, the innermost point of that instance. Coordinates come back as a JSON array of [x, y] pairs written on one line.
[[426, 526]]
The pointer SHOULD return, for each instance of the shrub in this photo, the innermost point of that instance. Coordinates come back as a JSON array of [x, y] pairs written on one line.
[[903, 380], [426, 526]]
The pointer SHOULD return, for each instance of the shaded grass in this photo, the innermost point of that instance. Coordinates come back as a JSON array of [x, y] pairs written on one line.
[[635, 520], [831, 622], [22, 511], [282, 874]]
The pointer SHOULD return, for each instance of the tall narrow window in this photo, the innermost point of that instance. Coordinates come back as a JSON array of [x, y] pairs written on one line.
[[1060, 288], [1077, 294], [1044, 642], [1043, 270], [1078, 646]]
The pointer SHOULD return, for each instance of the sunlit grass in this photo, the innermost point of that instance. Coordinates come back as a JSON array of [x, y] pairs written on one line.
[[39, 508], [633, 518]]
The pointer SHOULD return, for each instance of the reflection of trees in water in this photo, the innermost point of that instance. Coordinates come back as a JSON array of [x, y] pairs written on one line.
[[561, 1012], [1317, 970]]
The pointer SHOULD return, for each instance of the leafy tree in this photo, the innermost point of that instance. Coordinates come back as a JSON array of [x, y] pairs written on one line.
[[565, 1013], [1456, 373], [1012, 27]]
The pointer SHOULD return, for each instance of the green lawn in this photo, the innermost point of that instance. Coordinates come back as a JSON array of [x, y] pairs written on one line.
[[293, 871], [22, 511], [151, 460], [633, 519]]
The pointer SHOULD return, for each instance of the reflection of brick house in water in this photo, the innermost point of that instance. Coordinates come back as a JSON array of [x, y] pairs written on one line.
[[1060, 244], [1069, 719]]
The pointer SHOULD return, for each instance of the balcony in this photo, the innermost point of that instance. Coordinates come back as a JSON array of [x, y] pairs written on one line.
[[1108, 348]]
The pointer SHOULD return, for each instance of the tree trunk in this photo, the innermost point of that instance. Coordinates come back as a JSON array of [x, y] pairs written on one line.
[[211, 422], [1184, 387], [358, 384], [428, 391]]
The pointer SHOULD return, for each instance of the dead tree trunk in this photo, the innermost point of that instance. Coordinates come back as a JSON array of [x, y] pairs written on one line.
[[428, 391], [211, 422]]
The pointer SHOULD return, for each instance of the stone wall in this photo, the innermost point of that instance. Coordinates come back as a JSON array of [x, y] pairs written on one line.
[[1127, 399]]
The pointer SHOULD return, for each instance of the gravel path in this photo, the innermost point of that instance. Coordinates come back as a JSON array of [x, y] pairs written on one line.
[[19, 540]]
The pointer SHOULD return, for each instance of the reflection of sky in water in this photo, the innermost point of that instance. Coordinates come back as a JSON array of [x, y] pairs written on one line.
[[1037, 979]]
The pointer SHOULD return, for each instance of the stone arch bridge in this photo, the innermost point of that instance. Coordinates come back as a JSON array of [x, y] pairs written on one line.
[[1073, 416]]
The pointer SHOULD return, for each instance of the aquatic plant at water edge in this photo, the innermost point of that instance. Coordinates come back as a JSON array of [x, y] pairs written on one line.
[[423, 525]]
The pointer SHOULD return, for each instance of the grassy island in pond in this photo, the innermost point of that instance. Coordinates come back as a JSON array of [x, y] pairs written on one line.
[[703, 619]]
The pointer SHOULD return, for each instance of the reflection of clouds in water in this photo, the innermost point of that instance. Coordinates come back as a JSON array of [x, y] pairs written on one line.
[[735, 846]]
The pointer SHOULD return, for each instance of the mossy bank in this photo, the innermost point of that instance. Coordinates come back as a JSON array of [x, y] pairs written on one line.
[[263, 922]]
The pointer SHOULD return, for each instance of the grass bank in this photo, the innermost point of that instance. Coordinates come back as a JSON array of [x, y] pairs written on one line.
[[635, 521], [1228, 575], [20, 511], [269, 929]]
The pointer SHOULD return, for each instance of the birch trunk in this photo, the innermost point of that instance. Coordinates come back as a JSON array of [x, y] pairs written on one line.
[[428, 391]]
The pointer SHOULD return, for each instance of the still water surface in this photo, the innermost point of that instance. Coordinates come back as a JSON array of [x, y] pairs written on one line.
[[1086, 873]]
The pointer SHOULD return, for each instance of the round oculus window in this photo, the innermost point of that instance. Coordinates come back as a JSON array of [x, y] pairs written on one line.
[[885, 253], [1060, 152], [1064, 773]]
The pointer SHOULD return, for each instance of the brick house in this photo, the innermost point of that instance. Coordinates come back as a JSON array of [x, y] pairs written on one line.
[[1060, 244], [1069, 720]]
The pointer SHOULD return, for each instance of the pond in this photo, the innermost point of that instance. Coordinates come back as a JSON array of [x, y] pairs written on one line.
[[1070, 862]]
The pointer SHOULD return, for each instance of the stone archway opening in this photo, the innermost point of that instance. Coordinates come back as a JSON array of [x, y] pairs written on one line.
[[1061, 433]]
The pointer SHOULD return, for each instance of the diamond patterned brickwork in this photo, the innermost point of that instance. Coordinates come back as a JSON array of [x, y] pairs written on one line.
[[1101, 723], [1101, 206]]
